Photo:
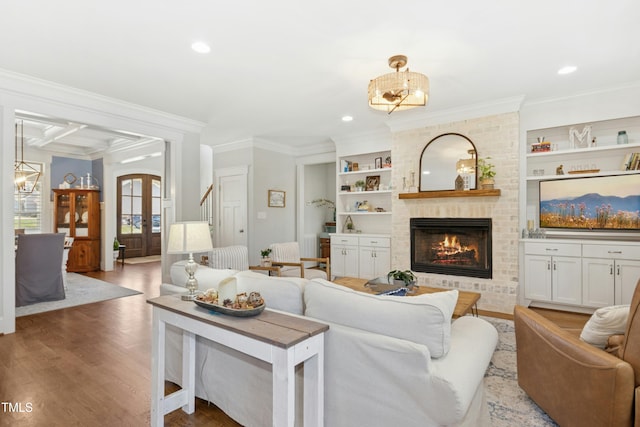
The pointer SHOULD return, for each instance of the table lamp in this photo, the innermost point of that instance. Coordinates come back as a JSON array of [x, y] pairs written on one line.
[[187, 238]]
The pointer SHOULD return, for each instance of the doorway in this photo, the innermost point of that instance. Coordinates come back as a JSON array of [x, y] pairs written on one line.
[[139, 213], [232, 207]]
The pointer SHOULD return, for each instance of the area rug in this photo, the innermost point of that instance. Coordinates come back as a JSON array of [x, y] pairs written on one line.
[[142, 259], [508, 404], [80, 290]]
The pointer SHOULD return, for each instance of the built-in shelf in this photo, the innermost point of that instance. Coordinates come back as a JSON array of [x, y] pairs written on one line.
[[449, 193], [365, 171]]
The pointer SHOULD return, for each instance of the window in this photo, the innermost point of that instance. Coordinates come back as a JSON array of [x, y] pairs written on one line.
[[27, 207]]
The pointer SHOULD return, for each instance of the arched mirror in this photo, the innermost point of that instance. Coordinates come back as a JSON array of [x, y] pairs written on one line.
[[448, 162]]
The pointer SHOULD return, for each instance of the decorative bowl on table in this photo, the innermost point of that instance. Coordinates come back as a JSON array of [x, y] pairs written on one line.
[[243, 306]]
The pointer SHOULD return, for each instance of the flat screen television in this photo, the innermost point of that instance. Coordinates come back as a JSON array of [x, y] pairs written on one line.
[[591, 203]]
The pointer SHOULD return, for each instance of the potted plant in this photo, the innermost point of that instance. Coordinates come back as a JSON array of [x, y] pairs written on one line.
[[359, 185], [402, 278], [266, 261], [116, 248], [486, 173]]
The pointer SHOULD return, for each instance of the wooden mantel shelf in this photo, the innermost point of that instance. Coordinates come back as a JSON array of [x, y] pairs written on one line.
[[449, 193]]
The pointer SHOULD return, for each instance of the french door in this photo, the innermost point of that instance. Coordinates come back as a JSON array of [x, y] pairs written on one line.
[[138, 214]]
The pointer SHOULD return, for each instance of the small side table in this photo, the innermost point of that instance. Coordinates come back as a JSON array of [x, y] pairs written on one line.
[[121, 252], [275, 269]]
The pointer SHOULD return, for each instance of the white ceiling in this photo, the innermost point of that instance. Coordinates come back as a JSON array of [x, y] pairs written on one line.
[[287, 70]]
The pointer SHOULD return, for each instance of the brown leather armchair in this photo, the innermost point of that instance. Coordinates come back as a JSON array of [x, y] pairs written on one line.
[[575, 383]]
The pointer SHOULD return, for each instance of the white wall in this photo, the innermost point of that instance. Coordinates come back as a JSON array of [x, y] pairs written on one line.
[[272, 171]]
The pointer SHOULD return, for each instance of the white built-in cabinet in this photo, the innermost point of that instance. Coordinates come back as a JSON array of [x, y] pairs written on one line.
[[344, 256], [610, 274], [364, 256], [577, 269], [586, 274], [365, 250], [553, 272], [374, 257]]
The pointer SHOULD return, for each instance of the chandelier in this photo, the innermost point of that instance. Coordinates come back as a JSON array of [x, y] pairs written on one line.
[[25, 176], [401, 90]]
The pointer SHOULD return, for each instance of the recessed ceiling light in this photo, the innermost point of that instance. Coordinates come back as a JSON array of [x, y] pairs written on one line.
[[347, 118], [201, 47], [567, 70]]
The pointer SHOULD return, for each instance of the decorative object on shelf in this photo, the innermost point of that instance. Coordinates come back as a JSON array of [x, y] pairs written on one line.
[[486, 173], [579, 171], [631, 162], [541, 146], [459, 183], [346, 188], [354, 167], [387, 162], [359, 185], [401, 90], [329, 204], [580, 139], [378, 163], [26, 176], [68, 180], [559, 170], [404, 278], [187, 238], [266, 261], [373, 183], [363, 206], [277, 198], [622, 137], [348, 225]]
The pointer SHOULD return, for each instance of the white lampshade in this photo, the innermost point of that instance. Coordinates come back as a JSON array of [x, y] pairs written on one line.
[[188, 237]]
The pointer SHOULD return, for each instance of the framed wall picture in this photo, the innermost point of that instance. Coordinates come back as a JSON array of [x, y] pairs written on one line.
[[372, 183], [378, 163], [277, 199]]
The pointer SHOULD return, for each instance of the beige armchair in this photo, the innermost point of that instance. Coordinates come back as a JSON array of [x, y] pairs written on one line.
[[287, 256], [576, 383]]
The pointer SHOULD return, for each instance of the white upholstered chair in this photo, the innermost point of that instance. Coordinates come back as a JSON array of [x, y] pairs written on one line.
[[233, 257], [287, 256]]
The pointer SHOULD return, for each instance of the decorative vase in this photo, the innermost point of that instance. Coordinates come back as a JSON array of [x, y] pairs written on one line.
[[115, 255], [266, 262]]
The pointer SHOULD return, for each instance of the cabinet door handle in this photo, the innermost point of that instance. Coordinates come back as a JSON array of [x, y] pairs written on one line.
[[548, 265], [551, 249], [618, 270], [554, 267], [614, 252], [611, 269]]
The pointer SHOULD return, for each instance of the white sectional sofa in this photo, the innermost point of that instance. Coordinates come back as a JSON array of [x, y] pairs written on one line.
[[388, 360]]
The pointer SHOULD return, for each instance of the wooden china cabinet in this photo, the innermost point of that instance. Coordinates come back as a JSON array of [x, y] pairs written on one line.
[[77, 213]]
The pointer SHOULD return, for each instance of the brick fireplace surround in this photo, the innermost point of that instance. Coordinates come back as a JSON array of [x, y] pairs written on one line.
[[496, 137]]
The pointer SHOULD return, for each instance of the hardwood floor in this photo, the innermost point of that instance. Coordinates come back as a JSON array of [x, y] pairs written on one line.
[[91, 365]]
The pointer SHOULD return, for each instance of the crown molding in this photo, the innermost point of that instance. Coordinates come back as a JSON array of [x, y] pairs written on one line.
[[34, 89], [466, 112], [269, 145]]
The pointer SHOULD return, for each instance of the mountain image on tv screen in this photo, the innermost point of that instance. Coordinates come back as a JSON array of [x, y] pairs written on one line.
[[591, 203]]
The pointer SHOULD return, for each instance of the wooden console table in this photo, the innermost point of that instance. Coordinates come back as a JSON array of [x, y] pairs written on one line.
[[282, 340], [467, 301]]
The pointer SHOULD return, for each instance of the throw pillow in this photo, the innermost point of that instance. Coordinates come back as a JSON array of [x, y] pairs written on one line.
[[604, 322], [423, 319]]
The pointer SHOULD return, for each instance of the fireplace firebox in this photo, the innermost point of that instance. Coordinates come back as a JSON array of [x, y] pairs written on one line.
[[454, 246]]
